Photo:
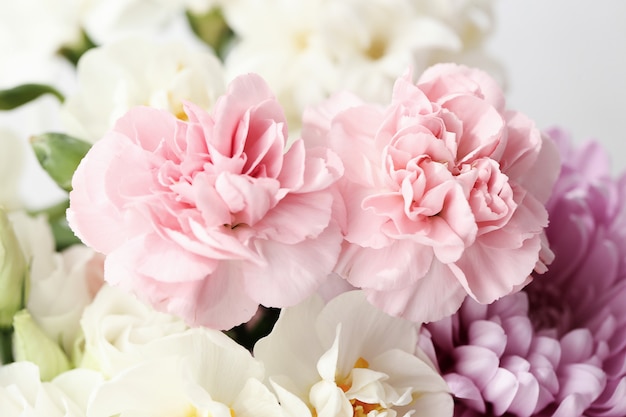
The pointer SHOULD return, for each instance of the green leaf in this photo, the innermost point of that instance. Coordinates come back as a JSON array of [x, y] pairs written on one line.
[[59, 155], [22, 94], [64, 237], [211, 28], [72, 52]]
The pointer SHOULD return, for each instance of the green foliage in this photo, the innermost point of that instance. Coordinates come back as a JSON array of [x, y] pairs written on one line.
[[211, 28], [15, 97], [59, 155]]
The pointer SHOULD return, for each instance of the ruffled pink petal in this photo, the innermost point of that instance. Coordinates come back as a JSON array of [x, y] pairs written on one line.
[[482, 128], [219, 301], [297, 217], [363, 226], [244, 92], [92, 215], [248, 199], [488, 273], [441, 79], [147, 127], [548, 160], [389, 268], [317, 120], [352, 129], [322, 169], [522, 149], [291, 273], [437, 294]]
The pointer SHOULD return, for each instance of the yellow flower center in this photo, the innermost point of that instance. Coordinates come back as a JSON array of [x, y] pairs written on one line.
[[376, 49], [193, 412], [360, 408]]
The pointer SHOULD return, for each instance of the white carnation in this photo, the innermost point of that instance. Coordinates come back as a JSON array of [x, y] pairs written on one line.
[[310, 49], [117, 327], [121, 75], [200, 372], [23, 394]]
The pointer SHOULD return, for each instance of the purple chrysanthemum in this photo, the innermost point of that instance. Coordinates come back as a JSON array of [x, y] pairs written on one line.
[[558, 348]]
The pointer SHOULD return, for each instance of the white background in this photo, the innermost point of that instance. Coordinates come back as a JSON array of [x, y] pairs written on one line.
[[566, 66]]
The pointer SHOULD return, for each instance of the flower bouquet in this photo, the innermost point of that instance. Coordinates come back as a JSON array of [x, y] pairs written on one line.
[[295, 209]]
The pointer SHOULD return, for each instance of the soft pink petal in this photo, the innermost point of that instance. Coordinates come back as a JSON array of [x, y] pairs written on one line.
[[316, 120], [488, 273], [487, 334], [147, 127], [441, 79], [297, 217], [482, 128], [291, 273], [388, 268], [436, 295], [501, 390], [92, 215], [158, 259], [478, 363], [247, 198], [355, 129], [244, 92], [464, 388], [363, 226]]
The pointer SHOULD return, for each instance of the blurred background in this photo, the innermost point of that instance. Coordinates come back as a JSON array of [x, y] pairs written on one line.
[[565, 63], [566, 66]]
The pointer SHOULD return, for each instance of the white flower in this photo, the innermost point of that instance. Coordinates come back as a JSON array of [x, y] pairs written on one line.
[[197, 373], [23, 394], [348, 359], [31, 32], [56, 300], [117, 327], [36, 240], [132, 72], [60, 284], [107, 21], [312, 48], [202, 6]]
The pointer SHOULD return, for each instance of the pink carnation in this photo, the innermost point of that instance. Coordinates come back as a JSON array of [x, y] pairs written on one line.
[[558, 348], [444, 191], [210, 217]]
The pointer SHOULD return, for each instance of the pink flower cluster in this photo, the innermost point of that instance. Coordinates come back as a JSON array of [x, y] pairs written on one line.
[[444, 191], [209, 217], [436, 196], [558, 347]]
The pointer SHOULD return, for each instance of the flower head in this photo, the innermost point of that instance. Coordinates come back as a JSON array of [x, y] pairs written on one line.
[[347, 359], [310, 49], [439, 184], [203, 217], [200, 372], [131, 72], [23, 394], [557, 348]]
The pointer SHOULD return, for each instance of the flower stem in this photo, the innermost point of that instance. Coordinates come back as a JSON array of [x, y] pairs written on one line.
[[6, 346]]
